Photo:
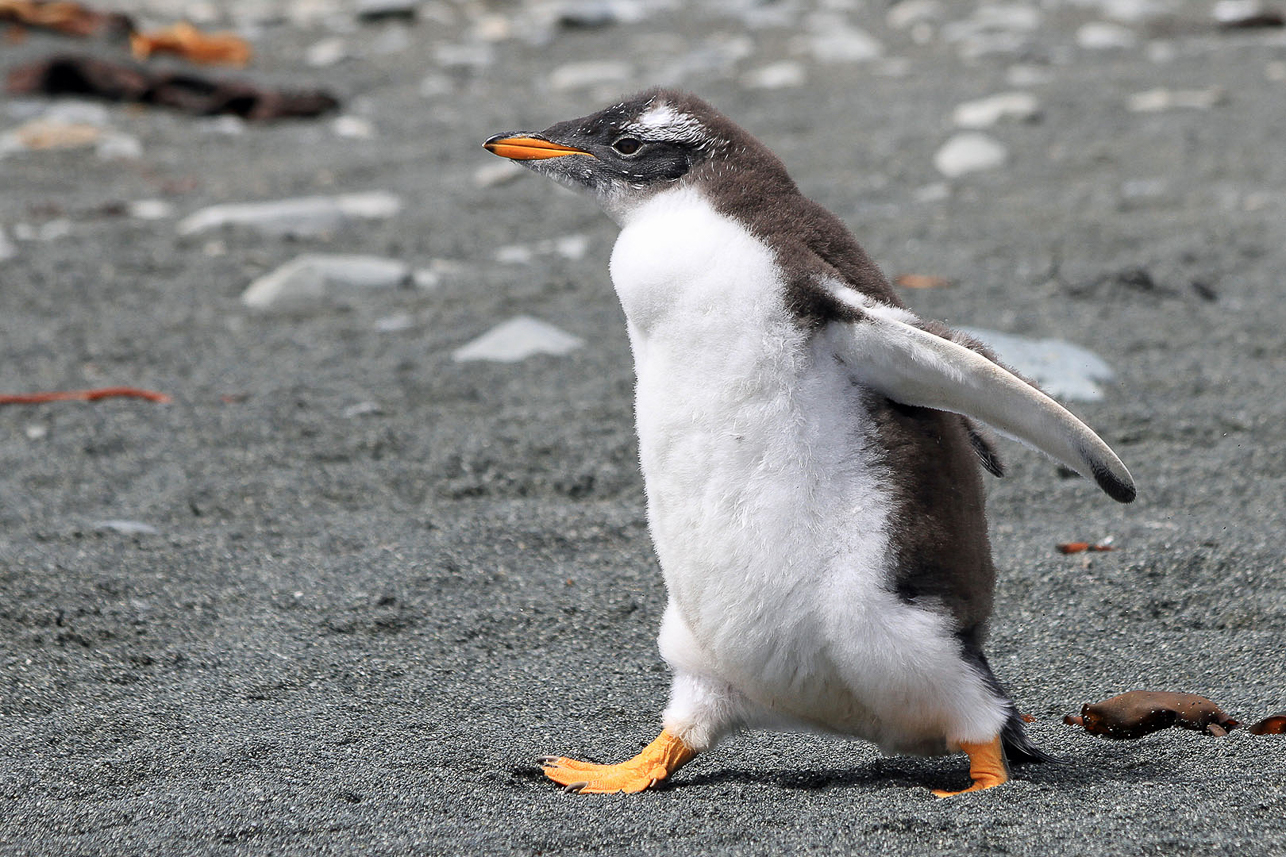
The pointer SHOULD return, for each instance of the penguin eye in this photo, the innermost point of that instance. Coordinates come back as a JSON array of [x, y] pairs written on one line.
[[627, 145]]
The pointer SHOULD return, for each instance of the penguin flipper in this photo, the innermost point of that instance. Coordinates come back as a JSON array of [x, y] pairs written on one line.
[[916, 367]]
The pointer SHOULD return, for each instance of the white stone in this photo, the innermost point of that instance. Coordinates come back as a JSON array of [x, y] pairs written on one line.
[[1105, 36], [985, 112], [498, 173], [582, 75], [1231, 12], [363, 409], [36, 431], [327, 52], [299, 217], [150, 209], [968, 153], [314, 279], [1063, 370], [125, 528], [908, 13], [572, 246], [1157, 100], [517, 339], [353, 128]]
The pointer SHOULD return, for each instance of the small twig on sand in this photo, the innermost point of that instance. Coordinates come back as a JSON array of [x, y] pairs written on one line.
[[81, 396], [1082, 547]]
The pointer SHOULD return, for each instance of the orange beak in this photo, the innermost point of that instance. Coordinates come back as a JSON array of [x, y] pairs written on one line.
[[529, 148]]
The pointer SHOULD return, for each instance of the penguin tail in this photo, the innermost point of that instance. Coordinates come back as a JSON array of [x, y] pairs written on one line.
[[1019, 749]]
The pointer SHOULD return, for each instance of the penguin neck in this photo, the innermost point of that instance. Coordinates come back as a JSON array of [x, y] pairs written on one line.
[[693, 278]]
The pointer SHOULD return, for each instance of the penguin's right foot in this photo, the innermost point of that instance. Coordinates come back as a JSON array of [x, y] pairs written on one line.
[[658, 760], [987, 767]]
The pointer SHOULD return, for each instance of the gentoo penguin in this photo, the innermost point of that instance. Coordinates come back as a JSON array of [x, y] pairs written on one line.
[[808, 451]]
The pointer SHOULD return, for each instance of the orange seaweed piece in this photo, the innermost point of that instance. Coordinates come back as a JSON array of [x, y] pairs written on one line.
[[187, 41], [1082, 547], [70, 19], [922, 281], [82, 396]]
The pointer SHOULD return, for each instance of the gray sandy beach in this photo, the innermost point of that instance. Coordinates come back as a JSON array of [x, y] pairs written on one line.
[[340, 593]]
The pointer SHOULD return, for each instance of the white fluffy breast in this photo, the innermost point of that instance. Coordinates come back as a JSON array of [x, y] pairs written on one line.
[[678, 263]]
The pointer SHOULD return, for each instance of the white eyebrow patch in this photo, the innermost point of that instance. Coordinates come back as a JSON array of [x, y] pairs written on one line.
[[658, 115], [662, 122]]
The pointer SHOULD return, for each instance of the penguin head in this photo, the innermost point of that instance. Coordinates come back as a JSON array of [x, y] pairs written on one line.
[[625, 153]]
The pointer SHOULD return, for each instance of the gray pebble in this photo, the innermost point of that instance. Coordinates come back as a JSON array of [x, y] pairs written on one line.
[[314, 279], [125, 528], [969, 153], [985, 112], [517, 339], [300, 217], [1063, 370]]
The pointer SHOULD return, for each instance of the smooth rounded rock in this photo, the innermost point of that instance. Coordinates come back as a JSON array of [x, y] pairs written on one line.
[[969, 153]]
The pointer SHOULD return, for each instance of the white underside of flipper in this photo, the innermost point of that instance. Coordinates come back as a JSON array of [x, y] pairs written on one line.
[[769, 515], [886, 352]]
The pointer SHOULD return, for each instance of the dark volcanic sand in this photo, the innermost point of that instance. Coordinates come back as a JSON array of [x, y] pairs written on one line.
[[356, 634]]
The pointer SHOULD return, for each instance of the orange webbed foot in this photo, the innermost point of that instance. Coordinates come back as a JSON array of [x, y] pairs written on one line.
[[658, 760], [987, 767]]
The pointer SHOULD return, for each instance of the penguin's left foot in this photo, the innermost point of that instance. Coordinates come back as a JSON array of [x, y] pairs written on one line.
[[986, 767], [658, 760]]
